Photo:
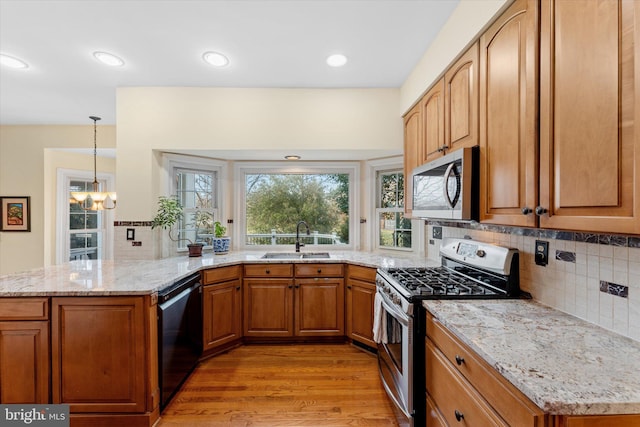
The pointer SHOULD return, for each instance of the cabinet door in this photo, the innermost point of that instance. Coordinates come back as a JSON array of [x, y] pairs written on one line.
[[319, 307], [412, 153], [360, 299], [268, 307], [590, 115], [461, 101], [433, 123], [508, 123], [98, 353], [24, 362], [222, 314]]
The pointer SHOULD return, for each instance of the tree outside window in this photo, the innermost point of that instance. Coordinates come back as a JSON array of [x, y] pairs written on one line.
[[195, 191], [394, 228], [275, 202]]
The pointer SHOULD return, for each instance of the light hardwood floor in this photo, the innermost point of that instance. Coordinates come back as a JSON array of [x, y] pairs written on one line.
[[283, 385]]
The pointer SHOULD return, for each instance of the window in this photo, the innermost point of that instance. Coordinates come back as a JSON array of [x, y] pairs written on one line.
[[394, 229], [196, 191], [275, 200], [81, 234]]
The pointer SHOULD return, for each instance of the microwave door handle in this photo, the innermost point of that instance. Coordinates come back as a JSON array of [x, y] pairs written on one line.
[[445, 186]]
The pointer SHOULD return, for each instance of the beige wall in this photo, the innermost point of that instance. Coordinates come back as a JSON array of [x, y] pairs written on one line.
[[214, 118], [24, 172], [241, 119], [465, 23]]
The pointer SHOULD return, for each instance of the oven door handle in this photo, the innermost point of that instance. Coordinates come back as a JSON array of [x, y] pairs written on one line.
[[399, 315]]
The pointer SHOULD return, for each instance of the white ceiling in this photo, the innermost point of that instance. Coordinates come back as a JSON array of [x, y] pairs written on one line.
[[270, 43]]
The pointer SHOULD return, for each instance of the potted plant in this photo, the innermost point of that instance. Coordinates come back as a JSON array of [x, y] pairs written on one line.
[[221, 242], [169, 212]]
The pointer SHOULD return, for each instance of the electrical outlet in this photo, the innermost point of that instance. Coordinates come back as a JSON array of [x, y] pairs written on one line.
[[437, 233], [542, 252]]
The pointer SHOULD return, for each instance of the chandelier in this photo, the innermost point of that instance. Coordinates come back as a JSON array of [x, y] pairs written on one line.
[[94, 200]]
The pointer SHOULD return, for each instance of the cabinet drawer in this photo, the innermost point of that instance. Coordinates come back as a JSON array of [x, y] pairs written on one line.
[[366, 274], [319, 270], [455, 398], [510, 403], [221, 274], [268, 270], [24, 309]]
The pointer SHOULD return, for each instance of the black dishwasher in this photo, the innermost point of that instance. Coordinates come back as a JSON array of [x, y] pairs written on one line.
[[179, 334]]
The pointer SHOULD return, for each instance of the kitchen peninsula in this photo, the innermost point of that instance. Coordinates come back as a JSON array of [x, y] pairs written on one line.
[[100, 318]]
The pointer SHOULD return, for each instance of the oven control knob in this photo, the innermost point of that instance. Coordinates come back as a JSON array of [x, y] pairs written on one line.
[[396, 300], [481, 253], [387, 290]]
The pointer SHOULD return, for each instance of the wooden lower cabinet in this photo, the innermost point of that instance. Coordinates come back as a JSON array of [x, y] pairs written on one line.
[[24, 362], [24, 350], [104, 359], [287, 301], [597, 421], [268, 307], [221, 314], [360, 293], [319, 307], [464, 387], [221, 308]]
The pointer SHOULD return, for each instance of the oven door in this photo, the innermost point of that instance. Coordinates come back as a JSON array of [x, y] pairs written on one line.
[[395, 355]]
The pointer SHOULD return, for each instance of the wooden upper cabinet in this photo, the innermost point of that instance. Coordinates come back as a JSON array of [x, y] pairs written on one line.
[[433, 123], [508, 121], [461, 101], [590, 115], [412, 153]]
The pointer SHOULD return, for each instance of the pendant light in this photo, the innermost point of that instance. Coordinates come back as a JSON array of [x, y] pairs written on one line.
[[95, 200]]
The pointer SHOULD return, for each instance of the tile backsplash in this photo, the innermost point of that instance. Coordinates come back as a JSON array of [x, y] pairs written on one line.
[[594, 277]]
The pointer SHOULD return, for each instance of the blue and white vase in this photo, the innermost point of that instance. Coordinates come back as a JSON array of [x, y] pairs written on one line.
[[221, 245]]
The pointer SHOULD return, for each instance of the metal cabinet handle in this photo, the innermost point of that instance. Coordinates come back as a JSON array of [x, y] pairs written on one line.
[[459, 415], [459, 360], [526, 210], [541, 211]]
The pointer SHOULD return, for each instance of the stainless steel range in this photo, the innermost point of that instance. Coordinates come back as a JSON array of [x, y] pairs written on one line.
[[468, 270]]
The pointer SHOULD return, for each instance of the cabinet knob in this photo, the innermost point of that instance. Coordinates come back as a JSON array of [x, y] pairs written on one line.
[[237, 288], [268, 271], [290, 286], [541, 211], [319, 271], [459, 415], [459, 360], [526, 210], [348, 286], [297, 286]]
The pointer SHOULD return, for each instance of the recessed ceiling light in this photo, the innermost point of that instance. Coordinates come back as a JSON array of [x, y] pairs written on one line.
[[292, 157], [216, 59], [108, 59], [12, 62], [337, 60]]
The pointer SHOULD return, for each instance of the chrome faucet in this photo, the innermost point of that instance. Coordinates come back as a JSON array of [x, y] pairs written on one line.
[[298, 244]]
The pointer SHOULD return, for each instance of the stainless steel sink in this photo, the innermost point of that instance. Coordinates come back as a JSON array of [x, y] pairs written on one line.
[[296, 255]]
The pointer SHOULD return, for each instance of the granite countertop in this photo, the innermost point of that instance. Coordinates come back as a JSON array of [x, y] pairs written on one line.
[[101, 278], [565, 365]]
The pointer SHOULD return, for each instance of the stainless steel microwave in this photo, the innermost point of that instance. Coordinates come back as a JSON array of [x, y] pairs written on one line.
[[448, 187]]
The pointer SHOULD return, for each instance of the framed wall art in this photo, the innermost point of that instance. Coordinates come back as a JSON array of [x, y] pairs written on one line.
[[15, 214]]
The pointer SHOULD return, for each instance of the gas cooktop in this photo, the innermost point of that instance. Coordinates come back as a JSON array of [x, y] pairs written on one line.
[[469, 270]]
